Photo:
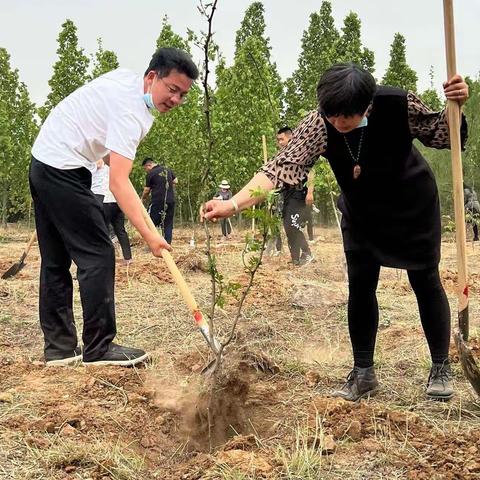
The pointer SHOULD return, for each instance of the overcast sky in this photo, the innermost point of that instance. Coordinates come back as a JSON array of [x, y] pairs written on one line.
[[29, 29]]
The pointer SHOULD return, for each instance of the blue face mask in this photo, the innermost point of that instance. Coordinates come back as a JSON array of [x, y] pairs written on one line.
[[363, 123], [148, 99]]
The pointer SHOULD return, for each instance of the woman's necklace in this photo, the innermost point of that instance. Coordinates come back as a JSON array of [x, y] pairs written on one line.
[[357, 170]]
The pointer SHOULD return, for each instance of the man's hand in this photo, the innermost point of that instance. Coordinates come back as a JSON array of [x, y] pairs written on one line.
[[309, 199], [217, 209], [456, 89], [157, 243]]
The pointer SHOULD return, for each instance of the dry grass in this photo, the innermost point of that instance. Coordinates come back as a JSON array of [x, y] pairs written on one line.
[[125, 434]]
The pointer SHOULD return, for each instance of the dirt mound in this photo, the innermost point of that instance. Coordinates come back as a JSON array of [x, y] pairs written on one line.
[[144, 272], [208, 415], [192, 261], [370, 426], [450, 279]]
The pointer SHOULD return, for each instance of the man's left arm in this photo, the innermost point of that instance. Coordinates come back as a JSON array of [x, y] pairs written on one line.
[[145, 194], [310, 187]]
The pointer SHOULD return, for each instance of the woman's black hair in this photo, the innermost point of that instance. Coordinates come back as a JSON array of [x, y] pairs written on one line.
[[345, 89]]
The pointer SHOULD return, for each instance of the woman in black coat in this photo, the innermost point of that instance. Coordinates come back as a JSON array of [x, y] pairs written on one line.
[[389, 203]]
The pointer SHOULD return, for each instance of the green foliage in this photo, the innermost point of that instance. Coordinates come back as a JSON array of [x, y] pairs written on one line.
[[398, 73], [319, 51], [440, 160], [104, 60], [247, 104], [253, 25], [70, 70], [248, 101], [430, 96], [471, 156], [323, 46], [17, 131], [431, 99], [350, 48]]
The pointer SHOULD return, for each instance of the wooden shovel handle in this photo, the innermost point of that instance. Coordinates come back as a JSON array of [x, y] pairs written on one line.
[[33, 237], [453, 112]]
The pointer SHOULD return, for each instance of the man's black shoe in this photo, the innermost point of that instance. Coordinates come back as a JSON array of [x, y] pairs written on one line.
[[361, 383], [440, 385], [121, 356], [63, 359]]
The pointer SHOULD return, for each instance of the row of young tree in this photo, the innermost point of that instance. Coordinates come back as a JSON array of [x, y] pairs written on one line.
[[249, 100]]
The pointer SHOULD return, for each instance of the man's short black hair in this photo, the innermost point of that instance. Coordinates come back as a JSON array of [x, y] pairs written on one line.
[[285, 129], [345, 89], [147, 160], [166, 59]]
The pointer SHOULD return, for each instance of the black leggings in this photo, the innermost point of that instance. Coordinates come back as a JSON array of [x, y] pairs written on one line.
[[363, 273]]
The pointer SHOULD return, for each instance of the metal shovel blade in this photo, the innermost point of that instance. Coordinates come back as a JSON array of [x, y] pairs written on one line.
[[208, 369], [214, 345], [469, 364], [13, 270]]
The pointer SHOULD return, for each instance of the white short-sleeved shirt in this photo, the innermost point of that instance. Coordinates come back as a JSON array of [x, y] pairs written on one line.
[[109, 198], [107, 114], [100, 179]]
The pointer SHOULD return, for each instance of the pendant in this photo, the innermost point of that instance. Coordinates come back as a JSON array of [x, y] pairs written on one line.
[[357, 170]]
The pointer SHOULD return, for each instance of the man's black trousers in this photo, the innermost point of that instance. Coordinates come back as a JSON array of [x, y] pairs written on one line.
[[162, 215], [71, 226]]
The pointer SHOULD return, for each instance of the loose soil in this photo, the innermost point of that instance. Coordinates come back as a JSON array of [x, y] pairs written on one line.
[[268, 415]]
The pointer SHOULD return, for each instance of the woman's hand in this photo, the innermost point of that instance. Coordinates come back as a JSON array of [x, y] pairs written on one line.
[[214, 209], [456, 89]]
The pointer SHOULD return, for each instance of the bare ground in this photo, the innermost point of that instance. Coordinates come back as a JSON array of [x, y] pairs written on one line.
[[270, 417]]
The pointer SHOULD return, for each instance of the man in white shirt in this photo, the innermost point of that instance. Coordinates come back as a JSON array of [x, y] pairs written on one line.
[[107, 118], [100, 180]]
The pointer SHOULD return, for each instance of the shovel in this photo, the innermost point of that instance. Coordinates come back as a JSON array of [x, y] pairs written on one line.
[[469, 365], [16, 267], [202, 324]]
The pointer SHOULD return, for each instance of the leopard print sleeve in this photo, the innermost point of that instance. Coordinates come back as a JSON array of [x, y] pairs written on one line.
[[292, 164], [431, 128]]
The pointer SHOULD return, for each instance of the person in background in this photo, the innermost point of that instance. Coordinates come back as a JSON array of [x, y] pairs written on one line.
[[159, 183], [225, 194], [100, 181], [472, 208], [296, 199], [115, 219]]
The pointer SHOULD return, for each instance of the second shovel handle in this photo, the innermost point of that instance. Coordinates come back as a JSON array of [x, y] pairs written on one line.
[[31, 242]]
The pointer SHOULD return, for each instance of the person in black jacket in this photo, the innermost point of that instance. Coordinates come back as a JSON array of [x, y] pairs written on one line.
[[159, 183], [296, 203], [389, 203]]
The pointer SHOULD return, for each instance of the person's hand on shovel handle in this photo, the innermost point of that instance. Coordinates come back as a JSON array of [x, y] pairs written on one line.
[[456, 89], [157, 243]]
